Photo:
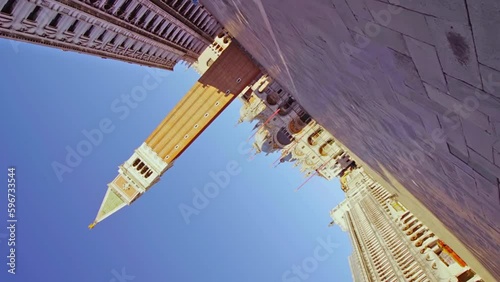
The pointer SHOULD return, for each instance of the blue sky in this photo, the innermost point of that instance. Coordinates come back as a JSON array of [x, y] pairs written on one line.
[[255, 229]]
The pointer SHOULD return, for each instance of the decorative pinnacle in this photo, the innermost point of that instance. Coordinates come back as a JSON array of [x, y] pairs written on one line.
[[91, 226]]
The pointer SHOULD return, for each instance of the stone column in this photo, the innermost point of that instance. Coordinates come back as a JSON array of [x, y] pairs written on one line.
[[109, 35], [64, 24], [119, 40], [116, 6], [163, 26], [96, 31], [139, 14], [199, 16], [169, 30], [43, 19], [102, 3], [146, 48], [178, 35], [211, 26], [175, 33], [201, 19], [192, 43], [154, 50], [129, 43], [80, 29], [18, 7], [91, 43], [149, 18], [130, 8], [138, 45], [156, 23], [199, 46], [182, 5], [174, 56], [188, 41], [159, 52], [205, 23], [186, 37], [187, 8], [22, 13]]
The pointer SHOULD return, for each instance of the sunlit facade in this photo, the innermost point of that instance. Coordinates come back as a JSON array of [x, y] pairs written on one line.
[[285, 127], [389, 242]]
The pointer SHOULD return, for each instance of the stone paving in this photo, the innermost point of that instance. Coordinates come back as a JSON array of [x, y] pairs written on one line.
[[412, 87]]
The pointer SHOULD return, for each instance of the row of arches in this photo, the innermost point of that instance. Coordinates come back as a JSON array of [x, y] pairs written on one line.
[[142, 168], [275, 96]]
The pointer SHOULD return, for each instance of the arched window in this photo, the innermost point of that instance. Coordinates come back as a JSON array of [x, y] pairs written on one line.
[[210, 62], [283, 137], [141, 165], [134, 12], [136, 162]]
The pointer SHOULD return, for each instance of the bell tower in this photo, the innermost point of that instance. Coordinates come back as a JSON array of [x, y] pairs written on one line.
[[135, 176], [232, 72]]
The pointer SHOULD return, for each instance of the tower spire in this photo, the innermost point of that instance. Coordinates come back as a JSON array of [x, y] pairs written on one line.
[[111, 203]]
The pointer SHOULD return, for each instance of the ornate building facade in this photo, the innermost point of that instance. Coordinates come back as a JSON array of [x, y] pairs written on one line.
[[232, 72], [389, 242], [156, 33], [284, 126]]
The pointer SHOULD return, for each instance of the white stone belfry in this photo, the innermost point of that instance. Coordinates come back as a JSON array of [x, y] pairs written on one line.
[[135, 176]]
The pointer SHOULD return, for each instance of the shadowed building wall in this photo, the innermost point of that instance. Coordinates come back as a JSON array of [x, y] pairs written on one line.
[[412, 88]]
